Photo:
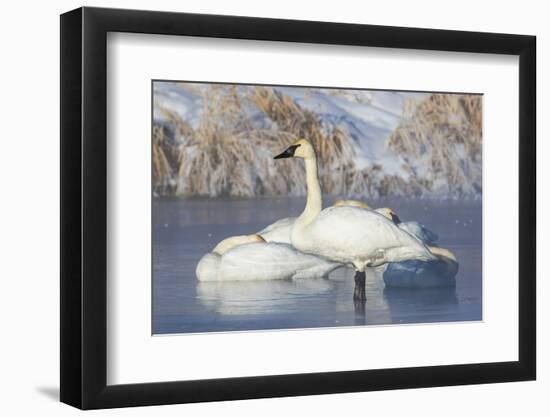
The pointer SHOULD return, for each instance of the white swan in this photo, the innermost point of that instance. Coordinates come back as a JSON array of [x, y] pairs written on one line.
[[347, 234], [245, 258], [440, 272]]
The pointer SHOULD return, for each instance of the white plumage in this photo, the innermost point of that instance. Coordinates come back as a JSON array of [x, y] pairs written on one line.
[[262, 261], [278, 231], [357, 236], [259, 297]]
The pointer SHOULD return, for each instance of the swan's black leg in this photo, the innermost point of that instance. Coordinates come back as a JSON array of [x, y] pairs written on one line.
[[359, 292]]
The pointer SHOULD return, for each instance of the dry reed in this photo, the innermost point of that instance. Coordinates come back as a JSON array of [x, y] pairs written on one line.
[[230, 152], [440, 140]]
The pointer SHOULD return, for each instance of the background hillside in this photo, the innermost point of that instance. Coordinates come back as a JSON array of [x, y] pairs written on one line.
[[219, 140]]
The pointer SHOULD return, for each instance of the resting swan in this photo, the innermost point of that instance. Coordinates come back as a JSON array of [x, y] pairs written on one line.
[[245, 258], [349, 235], [440, 272], [419, 274]]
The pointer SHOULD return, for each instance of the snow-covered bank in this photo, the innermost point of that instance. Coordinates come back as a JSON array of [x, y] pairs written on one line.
[[214, 140]]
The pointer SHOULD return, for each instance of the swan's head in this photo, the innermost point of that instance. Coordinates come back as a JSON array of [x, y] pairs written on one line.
[[389, 214], [351, 203], [299, 149], [233, 241]]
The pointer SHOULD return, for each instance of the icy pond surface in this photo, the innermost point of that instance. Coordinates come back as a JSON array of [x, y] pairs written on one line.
[[184, 230]]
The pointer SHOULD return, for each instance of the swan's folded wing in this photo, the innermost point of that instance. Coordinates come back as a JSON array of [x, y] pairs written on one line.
[[348, 232], [270, 261], [343, 226]]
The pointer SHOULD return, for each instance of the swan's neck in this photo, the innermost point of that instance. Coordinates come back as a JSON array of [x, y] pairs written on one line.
[[314, 202]]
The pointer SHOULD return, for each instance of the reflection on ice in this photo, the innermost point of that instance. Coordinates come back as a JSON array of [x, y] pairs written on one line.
[[375, 310], [184, 230], [259, 297], [314, 295], [384, 305], [425, 302]]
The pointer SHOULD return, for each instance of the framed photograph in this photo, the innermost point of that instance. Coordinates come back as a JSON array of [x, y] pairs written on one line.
[[257, 208]]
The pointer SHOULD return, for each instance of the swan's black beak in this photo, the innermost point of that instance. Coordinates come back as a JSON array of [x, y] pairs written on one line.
[[288, 153], [395, 218]]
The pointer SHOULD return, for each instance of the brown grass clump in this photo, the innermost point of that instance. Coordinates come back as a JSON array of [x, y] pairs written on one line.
[[221, 156], [442, 135], [162, 169], [334, 149], [229, 152], [166, 151]]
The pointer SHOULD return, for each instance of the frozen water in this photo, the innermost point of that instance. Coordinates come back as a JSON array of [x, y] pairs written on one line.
[[183, 230]]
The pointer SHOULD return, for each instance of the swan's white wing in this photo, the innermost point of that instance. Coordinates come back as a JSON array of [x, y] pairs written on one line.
[[349, 234], [270, 261], [420, 231], [278, 231]]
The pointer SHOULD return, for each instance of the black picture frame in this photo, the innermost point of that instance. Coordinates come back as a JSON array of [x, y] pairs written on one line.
[[84, 207]]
